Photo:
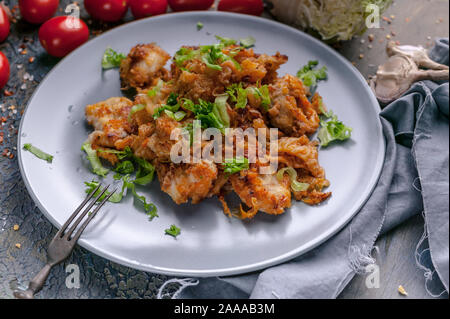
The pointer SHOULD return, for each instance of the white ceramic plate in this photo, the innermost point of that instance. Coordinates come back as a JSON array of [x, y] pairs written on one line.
[[210, 244]]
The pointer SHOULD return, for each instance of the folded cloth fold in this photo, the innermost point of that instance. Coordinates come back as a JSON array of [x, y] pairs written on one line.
[[415, 179]]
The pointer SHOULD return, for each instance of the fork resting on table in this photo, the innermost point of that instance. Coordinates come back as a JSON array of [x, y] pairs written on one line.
[[63, 243]]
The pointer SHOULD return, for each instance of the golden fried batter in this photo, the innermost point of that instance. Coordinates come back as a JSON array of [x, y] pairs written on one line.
[[188, 181], [147, 130], [144, 63], [263, 191], [291, 111]]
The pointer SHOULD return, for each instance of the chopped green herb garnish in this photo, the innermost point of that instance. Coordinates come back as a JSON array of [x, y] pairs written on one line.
[[248, 42], [111, 59], [238, 95], [172, 100], [211, 55], [136, 108], [212, 115], [125, 167], [150, 208], [183, 55], [91, 186], [171, 105], [97, 167], [173, 231], [145, 172], [199, 26], [155, 90], [333, 130], [226, 41], [295, 185], [220, 109], [178, 116], [235, 165], [310, 76], [263, 94], [38, 153]]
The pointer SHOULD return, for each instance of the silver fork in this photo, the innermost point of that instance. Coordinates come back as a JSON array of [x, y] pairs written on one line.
[[63, 243]]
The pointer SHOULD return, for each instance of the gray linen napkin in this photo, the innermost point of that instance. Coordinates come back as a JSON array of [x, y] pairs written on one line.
[[415, 179]]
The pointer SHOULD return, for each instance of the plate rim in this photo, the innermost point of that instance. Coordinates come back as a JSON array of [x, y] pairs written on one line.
[[231, 270]]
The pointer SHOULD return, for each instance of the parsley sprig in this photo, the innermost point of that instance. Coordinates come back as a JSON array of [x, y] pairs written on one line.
[[211, 115]]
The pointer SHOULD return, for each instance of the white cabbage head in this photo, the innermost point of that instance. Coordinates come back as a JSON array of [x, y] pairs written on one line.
[[332, 19]]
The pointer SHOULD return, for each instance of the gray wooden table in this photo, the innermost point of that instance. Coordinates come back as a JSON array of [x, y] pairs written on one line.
[[22, 251]]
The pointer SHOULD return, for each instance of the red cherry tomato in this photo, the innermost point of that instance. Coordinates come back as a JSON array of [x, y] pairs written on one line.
[[4, 70], [190, 5], [147, 8], [4, 24], [106, 10], [61, 35], [38, 11], [253, 7]]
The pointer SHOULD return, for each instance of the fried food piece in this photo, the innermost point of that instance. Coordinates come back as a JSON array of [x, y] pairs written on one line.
[[262, 192], [190, 77], [300, 153], [187, 181], [314, 194], [260, 68], [291, 111], [144, 63], [139, 144], [194, 80], [160, 142], [110, 120], [197, 81], [160, 92]]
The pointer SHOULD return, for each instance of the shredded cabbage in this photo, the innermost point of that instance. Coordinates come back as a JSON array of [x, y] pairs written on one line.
[[332, 19]]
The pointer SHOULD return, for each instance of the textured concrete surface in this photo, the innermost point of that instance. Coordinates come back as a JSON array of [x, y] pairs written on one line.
[[413, 22]]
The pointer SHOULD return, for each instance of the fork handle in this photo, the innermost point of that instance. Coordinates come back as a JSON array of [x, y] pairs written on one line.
[[35, 285]]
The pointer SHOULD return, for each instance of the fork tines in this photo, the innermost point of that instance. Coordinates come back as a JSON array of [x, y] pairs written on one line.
[[67, 235]]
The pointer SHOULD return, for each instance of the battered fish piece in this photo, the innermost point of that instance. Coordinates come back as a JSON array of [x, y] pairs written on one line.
[[291, 111], [144, 63], [110, 120], [259, 68], [187, 181], [300, 153], [262, 192], [160, 142]]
